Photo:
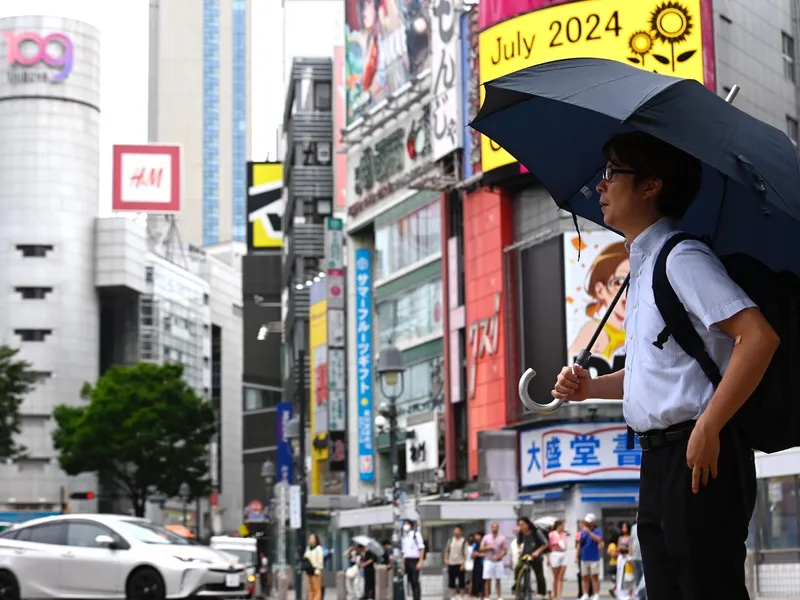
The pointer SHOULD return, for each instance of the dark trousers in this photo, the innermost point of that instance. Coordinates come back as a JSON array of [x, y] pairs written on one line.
[[693, 545], [412, 575], [537, 565]]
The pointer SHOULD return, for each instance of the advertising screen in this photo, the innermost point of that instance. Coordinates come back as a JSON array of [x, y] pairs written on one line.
[[665, 37], [387, 46]]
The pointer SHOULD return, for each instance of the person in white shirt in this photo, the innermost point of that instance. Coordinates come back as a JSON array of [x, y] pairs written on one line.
[[413, 549], [316, 560], [697, 490], [455, 558]]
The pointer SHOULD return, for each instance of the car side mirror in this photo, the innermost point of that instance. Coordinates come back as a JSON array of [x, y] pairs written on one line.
[[105, 541]]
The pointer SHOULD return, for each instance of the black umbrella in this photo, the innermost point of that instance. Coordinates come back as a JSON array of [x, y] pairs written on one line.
[[554, 118]]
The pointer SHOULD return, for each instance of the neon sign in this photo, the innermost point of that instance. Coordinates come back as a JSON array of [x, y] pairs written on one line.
[[29, 49]]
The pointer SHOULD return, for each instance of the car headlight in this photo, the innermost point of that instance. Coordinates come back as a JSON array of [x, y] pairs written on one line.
[[191, 559], [251, 578]]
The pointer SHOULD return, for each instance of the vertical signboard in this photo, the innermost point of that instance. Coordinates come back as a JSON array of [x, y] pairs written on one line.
[[466, 75], [318, 343], [337, 391], [285, 412], [446, 123], [339, 123], [473, 98], [365, 380]]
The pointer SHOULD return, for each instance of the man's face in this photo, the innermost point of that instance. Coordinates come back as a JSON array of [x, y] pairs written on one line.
[[495, 528], [624, 202], [457, 532]]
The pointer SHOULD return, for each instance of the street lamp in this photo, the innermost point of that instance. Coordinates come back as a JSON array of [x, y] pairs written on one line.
[[184, 492], [390, 370], [294, 431], [268, 475]]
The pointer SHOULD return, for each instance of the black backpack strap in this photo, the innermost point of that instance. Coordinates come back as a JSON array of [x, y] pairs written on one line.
[[677, 321]]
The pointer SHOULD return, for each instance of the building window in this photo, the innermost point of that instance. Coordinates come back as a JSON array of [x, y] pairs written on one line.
[[33, 335], [415, 315], [34, 250], [776, 512], [148, 274], [792, 129], [312, 154], [40, 376], [239, 116], [237, 310], [407, 241], [211, 122], [322, 95], [33, 293], [787, 47], [260, 398], [423, 390]]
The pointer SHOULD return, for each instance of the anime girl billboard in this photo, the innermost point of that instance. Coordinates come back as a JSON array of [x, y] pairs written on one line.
[[386, 46], [589, 287]]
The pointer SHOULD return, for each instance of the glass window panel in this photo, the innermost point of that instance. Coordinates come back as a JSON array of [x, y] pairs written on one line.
[[415, 315], [779, 512], [411, 239], [382, 252]]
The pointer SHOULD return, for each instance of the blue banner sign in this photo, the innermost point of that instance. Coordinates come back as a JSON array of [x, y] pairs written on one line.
[[364, 358], [285, 413]]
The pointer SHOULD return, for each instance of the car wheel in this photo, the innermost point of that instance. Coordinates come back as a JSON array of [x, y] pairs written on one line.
[[145, 584], [9, 588]]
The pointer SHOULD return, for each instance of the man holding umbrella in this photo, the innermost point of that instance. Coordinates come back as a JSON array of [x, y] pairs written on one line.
[[668, 155], [694, 513]]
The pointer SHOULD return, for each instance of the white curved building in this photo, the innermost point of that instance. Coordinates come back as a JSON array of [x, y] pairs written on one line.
[[49, 151]]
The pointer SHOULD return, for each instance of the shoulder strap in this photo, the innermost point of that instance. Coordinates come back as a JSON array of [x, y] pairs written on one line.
[[677, 321]]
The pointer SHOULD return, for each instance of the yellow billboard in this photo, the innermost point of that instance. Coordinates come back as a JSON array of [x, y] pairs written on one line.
[[264, 205], [317, 342], [665, 37]]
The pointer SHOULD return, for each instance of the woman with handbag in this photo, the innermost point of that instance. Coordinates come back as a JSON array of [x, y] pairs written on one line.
[[313, 561]]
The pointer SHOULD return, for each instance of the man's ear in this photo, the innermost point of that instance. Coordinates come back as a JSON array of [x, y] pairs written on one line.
[[652, 187]]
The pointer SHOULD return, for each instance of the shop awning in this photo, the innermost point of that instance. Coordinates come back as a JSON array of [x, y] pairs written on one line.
[[623, 493]]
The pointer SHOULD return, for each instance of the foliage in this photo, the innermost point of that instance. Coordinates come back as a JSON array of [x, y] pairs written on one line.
[[17, 380], [142, 428]]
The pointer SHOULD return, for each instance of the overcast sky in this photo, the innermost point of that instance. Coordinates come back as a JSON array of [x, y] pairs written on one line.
[[123, 26]]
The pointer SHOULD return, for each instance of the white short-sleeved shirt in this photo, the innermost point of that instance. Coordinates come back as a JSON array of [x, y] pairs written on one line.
[[666, 387], [412, 544]]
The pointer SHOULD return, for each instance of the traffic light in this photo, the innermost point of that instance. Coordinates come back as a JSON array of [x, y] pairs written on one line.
[[81, 496]]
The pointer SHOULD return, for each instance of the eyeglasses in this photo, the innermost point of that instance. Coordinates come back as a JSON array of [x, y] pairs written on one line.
[[609, 172]]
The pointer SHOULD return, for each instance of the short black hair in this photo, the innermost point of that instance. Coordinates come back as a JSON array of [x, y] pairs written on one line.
[[680, 173]]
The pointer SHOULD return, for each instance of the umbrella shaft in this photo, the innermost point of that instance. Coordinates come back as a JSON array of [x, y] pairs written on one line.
[[603, 321]]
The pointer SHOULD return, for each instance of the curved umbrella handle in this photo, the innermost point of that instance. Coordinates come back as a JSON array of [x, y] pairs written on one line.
[[529, 402]]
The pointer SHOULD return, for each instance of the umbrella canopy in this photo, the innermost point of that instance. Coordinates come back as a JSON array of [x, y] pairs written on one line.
[[545, 522], [369, 543], [554, 118]]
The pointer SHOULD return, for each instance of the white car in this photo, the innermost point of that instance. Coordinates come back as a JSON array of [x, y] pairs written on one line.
[[111, 556]]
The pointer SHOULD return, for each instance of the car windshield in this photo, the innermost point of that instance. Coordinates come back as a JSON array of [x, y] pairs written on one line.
[[148, 533], [246, 557]]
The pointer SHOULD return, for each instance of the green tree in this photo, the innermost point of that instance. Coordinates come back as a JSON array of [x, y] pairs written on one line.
[[17, 380], [142, 428]]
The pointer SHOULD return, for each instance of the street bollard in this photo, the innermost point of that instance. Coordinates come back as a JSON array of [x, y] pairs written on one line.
[[284, 578], [341, 586], [383, 582]]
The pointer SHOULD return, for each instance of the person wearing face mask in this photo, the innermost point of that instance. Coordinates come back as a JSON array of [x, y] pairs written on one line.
[[413, 550]]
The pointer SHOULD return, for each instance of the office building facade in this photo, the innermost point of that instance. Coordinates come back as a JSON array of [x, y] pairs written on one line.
[[199, 92]]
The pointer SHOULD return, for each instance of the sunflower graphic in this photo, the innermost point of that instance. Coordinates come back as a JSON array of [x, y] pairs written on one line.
[[640, 43], [671, 23]]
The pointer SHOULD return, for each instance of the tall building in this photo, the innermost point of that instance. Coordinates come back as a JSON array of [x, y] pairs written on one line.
[[199, 91], [86, 293]]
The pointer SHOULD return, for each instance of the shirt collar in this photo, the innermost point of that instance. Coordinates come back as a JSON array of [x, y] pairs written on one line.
[[649, 239]]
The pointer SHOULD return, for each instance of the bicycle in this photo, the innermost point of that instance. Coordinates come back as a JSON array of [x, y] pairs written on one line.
[[523, 588]]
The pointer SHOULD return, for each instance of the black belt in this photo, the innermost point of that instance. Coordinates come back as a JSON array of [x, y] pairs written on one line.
[[659, 438]]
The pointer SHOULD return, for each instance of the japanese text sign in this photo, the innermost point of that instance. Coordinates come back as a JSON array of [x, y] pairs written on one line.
[[573, 452], [364, 374]]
